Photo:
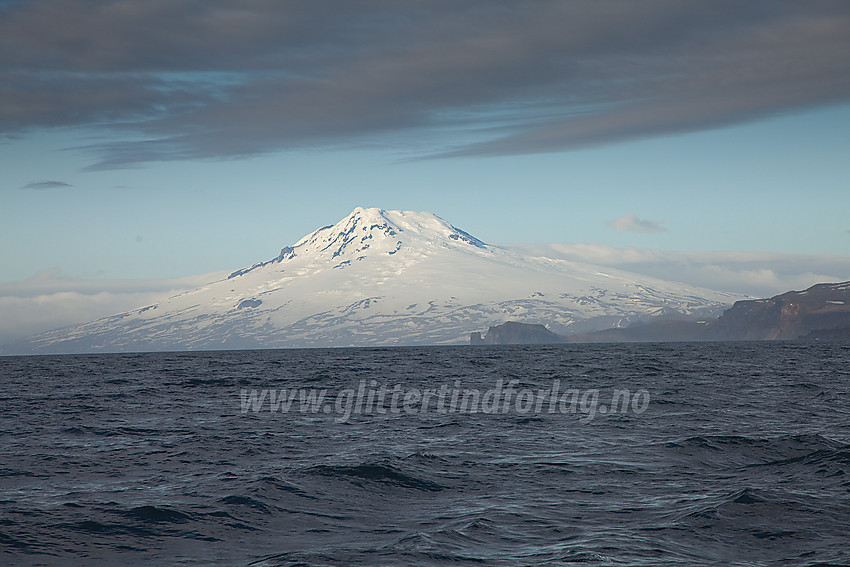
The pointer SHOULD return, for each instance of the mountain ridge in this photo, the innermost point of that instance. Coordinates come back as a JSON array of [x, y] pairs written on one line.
[[820, 312], [381, 277]]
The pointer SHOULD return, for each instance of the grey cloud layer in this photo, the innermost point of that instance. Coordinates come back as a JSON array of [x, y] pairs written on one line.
[[191, 79], [47, 185]]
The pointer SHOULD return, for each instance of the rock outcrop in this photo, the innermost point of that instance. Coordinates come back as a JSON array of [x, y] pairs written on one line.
[[513, 333]]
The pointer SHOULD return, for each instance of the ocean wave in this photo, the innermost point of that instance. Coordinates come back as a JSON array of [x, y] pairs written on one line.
[[154, 514], [739, 450], [377, 473]]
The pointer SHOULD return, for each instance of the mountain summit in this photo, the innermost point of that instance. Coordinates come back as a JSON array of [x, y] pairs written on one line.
[[383, 278], [371, 233]]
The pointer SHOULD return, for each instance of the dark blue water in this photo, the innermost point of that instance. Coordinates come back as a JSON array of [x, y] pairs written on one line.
[[731, 454]]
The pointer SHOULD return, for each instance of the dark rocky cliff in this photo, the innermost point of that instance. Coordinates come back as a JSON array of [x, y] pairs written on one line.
[[792, 315]]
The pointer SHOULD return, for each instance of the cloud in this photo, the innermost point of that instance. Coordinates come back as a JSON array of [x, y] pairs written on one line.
[[630, 223], [46, 185], [185, 79], [759, 274], [49, 301]]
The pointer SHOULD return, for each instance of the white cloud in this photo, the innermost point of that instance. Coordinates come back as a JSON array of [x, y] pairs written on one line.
[[631, 223], [760, 274], [49, 301]]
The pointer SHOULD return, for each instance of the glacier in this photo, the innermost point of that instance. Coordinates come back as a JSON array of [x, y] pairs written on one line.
[[381, 277]]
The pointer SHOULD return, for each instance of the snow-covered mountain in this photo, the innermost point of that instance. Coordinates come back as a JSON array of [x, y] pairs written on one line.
[[384, 278]]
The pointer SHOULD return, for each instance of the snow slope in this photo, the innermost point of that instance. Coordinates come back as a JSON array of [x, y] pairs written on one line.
[[383, 278]]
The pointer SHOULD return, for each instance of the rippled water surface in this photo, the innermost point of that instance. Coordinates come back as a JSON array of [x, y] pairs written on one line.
[[736, 454]]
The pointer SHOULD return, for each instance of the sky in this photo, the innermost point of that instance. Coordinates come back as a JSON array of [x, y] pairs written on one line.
[[146, 147]]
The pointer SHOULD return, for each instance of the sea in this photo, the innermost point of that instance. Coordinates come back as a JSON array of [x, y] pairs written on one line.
[[592, 454]]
